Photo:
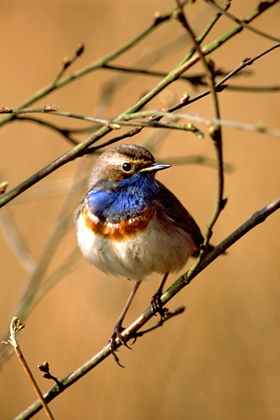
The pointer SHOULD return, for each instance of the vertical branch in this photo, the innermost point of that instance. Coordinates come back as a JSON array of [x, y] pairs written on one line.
[[36, 288], [15, 327], [215, 131]]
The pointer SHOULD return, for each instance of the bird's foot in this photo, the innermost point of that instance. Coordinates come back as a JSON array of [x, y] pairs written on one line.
[[118, 329], [157, 306]]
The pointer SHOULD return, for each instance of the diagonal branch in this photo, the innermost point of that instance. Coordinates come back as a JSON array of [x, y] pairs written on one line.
[[262, 6], [257, 218], [93, 138]]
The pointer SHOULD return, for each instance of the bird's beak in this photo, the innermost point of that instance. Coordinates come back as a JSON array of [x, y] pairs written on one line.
[[155, 167]]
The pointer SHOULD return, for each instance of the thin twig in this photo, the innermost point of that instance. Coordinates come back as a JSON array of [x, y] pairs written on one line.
[[195, 79], [15, 327], [215, 131], [254, 89], [67, 62], [36, 288], [257, 218], [65, 132], [168, 315], [108, 90], [243, 23], [58, 83], [257, 128], [244, 63], [93, 138], [153, 122], [45, 369], [16, 242]]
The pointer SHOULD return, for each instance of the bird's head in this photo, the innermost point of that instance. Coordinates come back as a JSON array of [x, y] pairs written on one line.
[[124, 161]]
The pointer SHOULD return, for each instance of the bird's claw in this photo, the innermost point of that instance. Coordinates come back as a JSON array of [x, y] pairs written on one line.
[[157, 307], [118, 329]]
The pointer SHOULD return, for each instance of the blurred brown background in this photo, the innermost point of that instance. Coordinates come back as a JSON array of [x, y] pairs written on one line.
[[220, 359]]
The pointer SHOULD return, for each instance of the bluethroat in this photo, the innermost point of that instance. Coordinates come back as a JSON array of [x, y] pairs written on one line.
[[129, 224]]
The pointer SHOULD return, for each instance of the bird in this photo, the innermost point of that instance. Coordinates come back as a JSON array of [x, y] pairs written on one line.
[[129, 224]]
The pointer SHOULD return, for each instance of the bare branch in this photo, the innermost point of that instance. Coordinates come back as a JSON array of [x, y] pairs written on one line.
[[130, 332]]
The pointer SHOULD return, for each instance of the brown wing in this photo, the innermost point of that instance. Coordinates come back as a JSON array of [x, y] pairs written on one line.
[[177, 212]]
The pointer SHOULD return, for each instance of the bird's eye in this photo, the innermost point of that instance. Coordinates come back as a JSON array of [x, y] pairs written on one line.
[[126, 167]]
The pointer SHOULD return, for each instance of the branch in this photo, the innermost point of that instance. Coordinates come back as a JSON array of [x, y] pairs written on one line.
[[93, 138], [15, 241], [215, 131], [15, 327], [58, 83], [65, 132], [243, 23], [257, 218], [36, 288]]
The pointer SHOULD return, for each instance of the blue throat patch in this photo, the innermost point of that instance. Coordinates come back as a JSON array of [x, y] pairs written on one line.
[[127, 200]]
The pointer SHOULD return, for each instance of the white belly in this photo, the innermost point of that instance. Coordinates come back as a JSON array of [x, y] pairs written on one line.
[[151, 251]]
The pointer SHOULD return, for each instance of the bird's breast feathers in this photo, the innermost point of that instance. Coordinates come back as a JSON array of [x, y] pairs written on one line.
[[114, 248], [123, 228], [132, 247]]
